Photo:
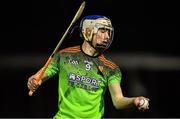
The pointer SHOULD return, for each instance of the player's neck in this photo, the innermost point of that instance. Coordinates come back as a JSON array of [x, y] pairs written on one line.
[[88, 49]]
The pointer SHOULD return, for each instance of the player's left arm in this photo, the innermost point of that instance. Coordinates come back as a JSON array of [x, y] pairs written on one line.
[[121, 102]]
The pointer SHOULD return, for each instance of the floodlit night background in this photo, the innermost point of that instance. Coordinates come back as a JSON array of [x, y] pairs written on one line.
[[145, 47]]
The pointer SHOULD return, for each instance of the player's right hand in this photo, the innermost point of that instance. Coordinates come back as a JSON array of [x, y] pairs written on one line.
[[32, 84]]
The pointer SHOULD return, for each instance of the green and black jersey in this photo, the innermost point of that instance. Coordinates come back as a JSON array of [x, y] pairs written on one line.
[[82, 82]]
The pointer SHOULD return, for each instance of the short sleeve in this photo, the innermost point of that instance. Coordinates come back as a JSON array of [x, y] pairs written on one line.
[[53, 67], [115, 76]]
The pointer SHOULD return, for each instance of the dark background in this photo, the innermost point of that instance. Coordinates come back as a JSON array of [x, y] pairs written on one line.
[[145, 47]]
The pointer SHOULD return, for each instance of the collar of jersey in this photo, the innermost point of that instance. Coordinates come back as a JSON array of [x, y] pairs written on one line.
[[89, 55]]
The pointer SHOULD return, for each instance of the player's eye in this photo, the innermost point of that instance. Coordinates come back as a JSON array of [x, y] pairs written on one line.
[[103, 30]]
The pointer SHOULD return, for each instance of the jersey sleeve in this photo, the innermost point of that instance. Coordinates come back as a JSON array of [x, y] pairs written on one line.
[[115, 76], [53, 67]]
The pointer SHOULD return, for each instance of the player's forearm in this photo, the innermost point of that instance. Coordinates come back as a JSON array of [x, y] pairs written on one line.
[[44, 75], [123, 102]]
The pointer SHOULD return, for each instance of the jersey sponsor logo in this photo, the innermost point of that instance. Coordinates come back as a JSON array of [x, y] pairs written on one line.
[[84, 82]]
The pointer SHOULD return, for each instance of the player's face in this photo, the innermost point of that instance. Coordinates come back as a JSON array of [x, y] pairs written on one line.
[[101, 39]]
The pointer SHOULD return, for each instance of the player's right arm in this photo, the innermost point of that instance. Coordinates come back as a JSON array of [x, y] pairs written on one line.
[[51, 70], [32, 81]]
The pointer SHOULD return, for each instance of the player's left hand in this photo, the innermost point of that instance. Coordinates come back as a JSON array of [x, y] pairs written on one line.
[[142, 103]]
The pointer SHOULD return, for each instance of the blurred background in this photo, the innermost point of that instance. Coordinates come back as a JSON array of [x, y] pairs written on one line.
[[145, 47]]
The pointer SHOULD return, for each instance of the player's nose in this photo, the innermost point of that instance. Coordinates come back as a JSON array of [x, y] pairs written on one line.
[[107, 35]]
